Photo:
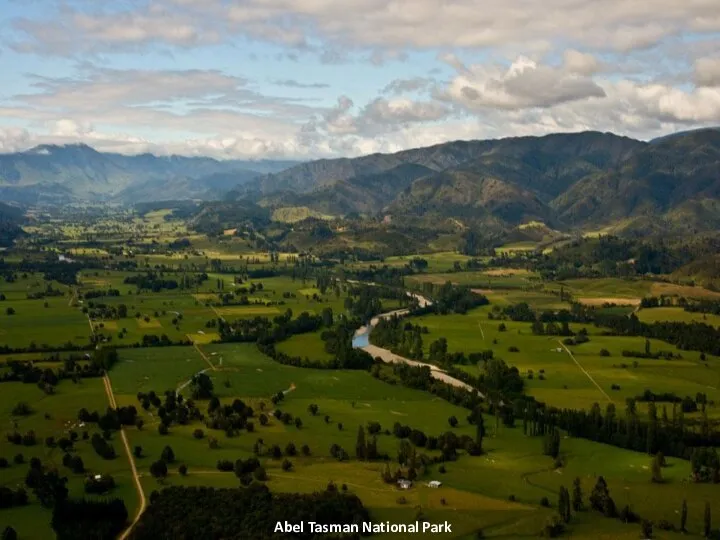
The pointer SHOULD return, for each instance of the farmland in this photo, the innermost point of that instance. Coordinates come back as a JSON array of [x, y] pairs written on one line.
[[152, 307]]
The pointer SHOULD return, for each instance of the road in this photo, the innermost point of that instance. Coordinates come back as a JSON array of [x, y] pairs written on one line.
[[604, 393], [133, 469], [390, 357]]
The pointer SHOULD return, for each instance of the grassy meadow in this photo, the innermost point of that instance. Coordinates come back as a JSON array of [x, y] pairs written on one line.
[[563, 383], [476, 490]]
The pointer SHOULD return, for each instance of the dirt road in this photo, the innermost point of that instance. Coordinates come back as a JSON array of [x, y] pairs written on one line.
[[133, 469]]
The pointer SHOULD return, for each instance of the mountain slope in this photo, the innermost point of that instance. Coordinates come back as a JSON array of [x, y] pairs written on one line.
[[471, 197], [10, 219], [551, 162], [361, 194], [673, 179], [86, 174]]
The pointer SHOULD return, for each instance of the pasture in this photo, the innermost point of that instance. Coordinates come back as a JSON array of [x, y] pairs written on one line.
[[558, 378], [476, 490], [56, 416], [669, 314]]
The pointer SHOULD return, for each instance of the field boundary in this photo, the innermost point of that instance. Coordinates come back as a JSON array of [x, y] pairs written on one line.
[[133, 468], [204, 357], [604, 393]]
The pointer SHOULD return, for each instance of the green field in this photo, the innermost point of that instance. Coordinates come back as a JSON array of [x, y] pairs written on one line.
[[663, 314], [56, 415], [565, 384], [303, 345], [500, 492], [476, 490]]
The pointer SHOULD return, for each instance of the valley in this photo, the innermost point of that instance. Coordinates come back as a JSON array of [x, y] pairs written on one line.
[[230, 358]]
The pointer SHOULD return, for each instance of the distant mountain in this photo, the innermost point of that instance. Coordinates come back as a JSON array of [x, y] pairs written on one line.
[[567, 181], [78, 172]]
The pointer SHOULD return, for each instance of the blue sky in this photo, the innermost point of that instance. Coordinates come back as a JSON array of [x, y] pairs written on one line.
[[320, 78]]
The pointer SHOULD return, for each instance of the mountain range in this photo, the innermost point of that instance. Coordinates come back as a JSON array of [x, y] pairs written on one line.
[[60, 174], [587, 180]]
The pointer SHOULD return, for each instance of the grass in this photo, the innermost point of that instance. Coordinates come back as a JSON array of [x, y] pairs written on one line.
[[604, 288], [309, 345], [565, 384], [663, 314], [33, 521], [475, 490], [492, 279]]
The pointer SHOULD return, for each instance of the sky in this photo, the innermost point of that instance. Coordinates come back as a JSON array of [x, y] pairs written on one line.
[[306, 79]]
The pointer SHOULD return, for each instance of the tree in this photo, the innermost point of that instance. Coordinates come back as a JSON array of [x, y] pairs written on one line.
[[479, 428], [651, 440], [646, 528], [137, 451], [9, 534], [168, 456], [10, 311], [201, 386], [551, 443], [360, 447], [182, 469], [453, 421], [159, 469], [707, 521], [656, 469], [260, 474], [287, 465], [600, 499], [313, 409], [564, 504], [683, 516]]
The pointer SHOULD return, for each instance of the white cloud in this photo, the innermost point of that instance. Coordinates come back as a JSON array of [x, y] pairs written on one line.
[[402, 111], [707, 71], [510, 68], [374, 24], [524, 84], [580, 63]]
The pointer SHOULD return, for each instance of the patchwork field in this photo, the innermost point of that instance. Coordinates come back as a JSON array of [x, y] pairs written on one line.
[[475, 490], [584, 377]]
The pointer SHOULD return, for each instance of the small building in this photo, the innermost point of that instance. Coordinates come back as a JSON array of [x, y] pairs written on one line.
[[404, 484], [434, 483]]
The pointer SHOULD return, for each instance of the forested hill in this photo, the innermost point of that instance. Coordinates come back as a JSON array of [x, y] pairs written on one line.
[[587, 179], [10, 219]]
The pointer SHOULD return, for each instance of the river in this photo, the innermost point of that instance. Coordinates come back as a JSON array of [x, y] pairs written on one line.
[[361, 340]]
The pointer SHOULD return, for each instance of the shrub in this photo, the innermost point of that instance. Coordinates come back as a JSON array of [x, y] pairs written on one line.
[[22, 409], [159, 469]]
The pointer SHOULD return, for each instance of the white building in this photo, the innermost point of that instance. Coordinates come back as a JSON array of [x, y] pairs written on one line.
[[434, 483]]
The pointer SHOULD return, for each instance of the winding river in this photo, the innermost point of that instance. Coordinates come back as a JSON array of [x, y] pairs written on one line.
[[361, 340]]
